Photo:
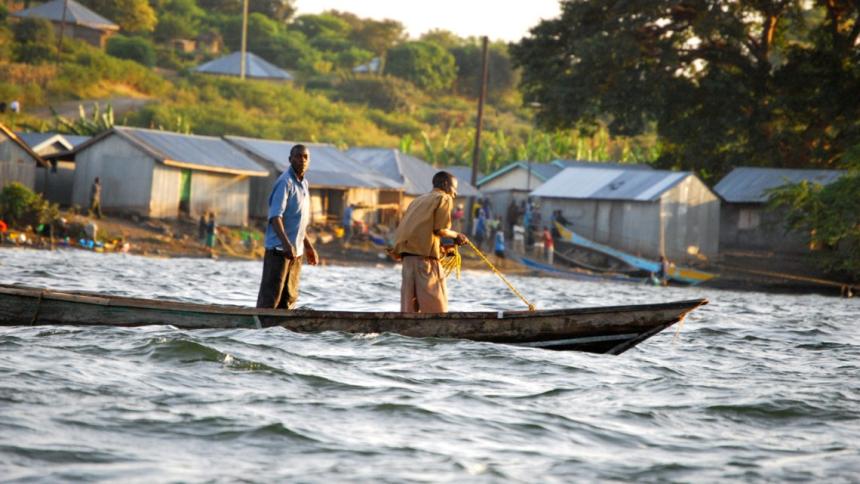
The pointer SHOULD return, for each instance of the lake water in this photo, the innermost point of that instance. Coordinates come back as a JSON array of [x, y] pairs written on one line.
[[754, 387]]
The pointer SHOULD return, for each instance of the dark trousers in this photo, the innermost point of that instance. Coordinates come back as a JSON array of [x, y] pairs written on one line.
[[279, 288]]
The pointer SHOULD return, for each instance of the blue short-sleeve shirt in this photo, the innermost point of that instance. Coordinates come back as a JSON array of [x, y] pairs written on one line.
[[291, 200]]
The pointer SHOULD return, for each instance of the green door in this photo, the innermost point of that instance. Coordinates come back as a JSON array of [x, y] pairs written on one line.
[[185, 192]]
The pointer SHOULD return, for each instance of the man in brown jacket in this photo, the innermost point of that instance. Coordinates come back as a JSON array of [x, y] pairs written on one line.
[[417, 241]]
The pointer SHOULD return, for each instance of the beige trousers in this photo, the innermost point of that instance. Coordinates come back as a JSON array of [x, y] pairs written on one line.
[[423, 288]]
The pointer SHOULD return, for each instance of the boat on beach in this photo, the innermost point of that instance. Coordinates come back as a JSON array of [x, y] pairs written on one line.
[[610, 330], [683, 275]]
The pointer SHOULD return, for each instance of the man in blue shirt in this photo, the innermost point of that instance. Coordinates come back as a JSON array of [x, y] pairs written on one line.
[[286, 238]]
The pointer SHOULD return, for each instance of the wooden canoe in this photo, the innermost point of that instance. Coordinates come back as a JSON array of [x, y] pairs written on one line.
[[612, 330]]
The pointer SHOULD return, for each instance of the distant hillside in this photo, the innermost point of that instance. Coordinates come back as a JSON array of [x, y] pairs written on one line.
[[422, 100]]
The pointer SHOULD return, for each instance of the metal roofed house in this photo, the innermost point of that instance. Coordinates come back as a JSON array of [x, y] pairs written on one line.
[[18, 162], [746, 223], [411, 173], [80, 22], [335, 179], [255, 67], [55, 182], [160, 174], [462, 172], [645, 212]]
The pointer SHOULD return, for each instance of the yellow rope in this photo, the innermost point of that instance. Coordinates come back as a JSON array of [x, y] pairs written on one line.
[[452, 262], [502, 277]]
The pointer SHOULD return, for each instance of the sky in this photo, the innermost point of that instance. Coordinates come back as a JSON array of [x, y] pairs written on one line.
[[508, 20]]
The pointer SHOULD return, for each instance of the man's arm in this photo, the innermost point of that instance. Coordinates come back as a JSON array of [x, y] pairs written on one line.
[[278, 225]]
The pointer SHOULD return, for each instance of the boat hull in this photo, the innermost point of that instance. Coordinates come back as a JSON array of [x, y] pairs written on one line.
[[611, 330]]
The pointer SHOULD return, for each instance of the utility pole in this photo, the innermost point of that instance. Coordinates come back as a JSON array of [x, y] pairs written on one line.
[[62, 29], [476, 153], [243, 57]]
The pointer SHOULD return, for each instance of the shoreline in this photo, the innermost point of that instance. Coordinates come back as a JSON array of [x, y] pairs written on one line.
[[156, 238]]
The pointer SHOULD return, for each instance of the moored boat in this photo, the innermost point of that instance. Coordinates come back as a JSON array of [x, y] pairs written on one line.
[[610, 330], [685, 275]]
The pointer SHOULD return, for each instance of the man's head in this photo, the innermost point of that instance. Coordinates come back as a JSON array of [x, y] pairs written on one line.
[[300, 159], [446, 182]]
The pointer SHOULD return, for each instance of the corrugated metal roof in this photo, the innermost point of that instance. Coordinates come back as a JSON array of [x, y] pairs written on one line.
[[39, 140], [610, 184], [415, 175], [196, 152], [329, 166], [14, 138], [76, 140], [543, 171], [463, 173], [750, 185], [599, 164], [255, 67], [76, 14]]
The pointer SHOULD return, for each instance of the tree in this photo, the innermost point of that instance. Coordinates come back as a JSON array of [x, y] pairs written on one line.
[[378, 36], [172, 26], [724, 82], [830, 215], [322, 25], [500, 73], [425, 64], [35, 30], [137, 49], [279, 10], [131, 15], [34, 41]]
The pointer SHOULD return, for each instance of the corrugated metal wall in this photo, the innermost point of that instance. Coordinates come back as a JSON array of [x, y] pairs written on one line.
[[261, 188], [516, 179], [166, 188], [629, 226], [16, 165], [752, 226], [125, 173], [691, 220], [226, 195], [57, 185]]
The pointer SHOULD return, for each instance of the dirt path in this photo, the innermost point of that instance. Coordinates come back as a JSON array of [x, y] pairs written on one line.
[[70, 109]]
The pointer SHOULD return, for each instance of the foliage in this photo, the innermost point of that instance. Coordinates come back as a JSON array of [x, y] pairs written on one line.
[[35, 41], [753, 82], [34, 30], [130, 15], [386, 93], [425, 64], [172, 26], [84, 125], [500, 73], [20, 207], [136, 49], [830, 215]]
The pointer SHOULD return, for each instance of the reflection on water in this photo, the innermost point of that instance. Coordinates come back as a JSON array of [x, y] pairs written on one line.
[[756, 387]]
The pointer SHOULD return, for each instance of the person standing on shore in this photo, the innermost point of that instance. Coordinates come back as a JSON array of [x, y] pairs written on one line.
[[548, 245], [418, 244], [286, 236], [96, 198], [210, 233], [347, 223]]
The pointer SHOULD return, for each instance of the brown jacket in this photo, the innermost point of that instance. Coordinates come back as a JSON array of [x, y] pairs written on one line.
[[426, 214]]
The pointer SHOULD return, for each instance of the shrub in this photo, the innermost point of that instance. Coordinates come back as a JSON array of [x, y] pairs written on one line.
[[385, 93], [425, 64], [33, 53], [35, 30], [20, 206], [137, 49]]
